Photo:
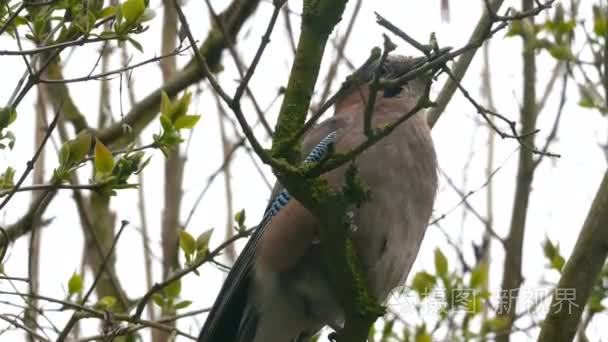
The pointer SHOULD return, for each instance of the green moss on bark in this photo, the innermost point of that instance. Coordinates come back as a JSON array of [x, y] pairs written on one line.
[[318, 20]]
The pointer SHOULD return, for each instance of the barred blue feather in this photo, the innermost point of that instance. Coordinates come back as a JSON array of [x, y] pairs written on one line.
[[317, 153]]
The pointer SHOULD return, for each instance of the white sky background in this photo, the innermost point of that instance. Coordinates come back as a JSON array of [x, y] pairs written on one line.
[[562, 189]]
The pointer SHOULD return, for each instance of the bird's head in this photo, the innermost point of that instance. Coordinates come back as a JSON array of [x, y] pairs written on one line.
[[394, 66]]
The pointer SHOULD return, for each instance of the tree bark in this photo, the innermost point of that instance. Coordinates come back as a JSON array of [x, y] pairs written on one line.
[[512, 275], [580, 273]]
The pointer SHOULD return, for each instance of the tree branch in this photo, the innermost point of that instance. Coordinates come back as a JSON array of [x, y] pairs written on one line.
[[146, 110], [580, 273]]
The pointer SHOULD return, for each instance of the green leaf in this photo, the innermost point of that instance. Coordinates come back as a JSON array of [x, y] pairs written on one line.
[[166, 123], [79, 147], [7, 117], [186, 121], [441, 263], [106, 303], [74, 284], [173, 289], [64, 154], [423, 283], [165, 103], [107, 12], [183, 304], [186, 242], [202, 241], [558, 26], [479, 275], [136, 44], [590, 99], [565, 27], [85, 22], [561, 52], [557, 262], [551, 251], [181, 107], [143, 165], [132, 10], [104, 161], [120, 28], [239, 217], [515, 28], [158, 299], [7, 178], [19, 20], [586, 102]]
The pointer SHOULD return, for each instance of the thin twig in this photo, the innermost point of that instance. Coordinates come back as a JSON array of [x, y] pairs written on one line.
[[25, 280], [560, 109], [374, 86], [519, 15], [31, 162], [289, 28], [86, 311], [235, 106], [484, 112], [23, 327], [340, 46], [113, 72], [5, 237], [258, 55], [464, 201], [62, 45], [12, 17], [341, 159], [75, 317], [243, 86], [53, 186], [185, 271]]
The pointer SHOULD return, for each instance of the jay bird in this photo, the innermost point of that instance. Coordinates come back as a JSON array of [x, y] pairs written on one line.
[[278, 290]]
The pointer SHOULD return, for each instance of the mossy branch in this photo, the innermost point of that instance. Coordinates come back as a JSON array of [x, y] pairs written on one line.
[[347, 278], [346, 275], [318, 20], [580, 273]]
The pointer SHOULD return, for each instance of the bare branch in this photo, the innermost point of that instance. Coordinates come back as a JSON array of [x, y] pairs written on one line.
[[116, 71], [76, 316], [30, 164], [185, 271]]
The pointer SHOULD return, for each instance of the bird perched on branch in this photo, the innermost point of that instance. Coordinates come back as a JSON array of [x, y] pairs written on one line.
[[278, 289]]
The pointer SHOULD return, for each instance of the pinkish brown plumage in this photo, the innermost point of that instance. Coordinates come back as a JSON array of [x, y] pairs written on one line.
[[286, 296]]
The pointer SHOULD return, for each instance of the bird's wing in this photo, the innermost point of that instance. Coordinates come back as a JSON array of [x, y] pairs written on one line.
[[232, 317]]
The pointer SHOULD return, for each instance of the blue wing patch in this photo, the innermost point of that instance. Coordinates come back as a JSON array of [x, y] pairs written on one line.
[[317, 153]]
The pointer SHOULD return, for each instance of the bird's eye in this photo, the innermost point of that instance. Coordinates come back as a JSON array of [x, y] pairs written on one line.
[[392, 92]]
